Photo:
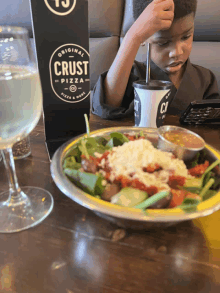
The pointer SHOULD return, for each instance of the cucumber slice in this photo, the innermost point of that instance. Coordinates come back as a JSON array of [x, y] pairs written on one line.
[[193, 182], [129, 197]]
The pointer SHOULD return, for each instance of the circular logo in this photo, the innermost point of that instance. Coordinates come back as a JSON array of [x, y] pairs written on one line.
[[73, 88], [60, 7], [69, 73]]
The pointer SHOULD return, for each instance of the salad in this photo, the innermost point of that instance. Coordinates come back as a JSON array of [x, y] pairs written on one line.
[[126, 169]]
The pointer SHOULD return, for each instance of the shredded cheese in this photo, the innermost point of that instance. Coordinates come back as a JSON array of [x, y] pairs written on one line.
[[133, 156], [97, 155]]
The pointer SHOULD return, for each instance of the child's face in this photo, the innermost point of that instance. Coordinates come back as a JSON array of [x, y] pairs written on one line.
[[171, 48]]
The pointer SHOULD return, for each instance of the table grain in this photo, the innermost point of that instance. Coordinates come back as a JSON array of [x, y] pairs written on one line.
[[75, 251]]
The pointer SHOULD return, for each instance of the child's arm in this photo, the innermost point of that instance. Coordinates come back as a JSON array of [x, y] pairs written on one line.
[[158, 15]]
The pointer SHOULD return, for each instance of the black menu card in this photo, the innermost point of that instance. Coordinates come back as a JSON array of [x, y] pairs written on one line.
[[62, 44]]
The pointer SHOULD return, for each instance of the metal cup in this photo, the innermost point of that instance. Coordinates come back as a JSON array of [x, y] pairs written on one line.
[[181, 152]]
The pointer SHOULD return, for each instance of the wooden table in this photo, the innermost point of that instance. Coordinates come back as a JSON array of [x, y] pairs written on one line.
[[75, 251]]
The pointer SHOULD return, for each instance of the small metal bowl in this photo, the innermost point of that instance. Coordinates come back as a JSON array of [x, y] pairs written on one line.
[[128, 217], [181, 152]]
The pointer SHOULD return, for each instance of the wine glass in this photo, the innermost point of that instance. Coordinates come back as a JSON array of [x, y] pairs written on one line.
[[20, 111]]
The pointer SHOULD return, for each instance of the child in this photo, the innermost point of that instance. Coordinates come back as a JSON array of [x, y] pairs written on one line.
[[169, 26]]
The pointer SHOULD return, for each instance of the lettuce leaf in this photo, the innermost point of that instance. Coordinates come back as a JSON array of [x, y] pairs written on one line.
[[88, 182]]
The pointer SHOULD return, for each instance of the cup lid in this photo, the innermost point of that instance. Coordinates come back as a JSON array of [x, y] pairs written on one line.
[[153, 84]]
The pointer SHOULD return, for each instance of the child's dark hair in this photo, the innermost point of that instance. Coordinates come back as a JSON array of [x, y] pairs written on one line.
[[182, 7]]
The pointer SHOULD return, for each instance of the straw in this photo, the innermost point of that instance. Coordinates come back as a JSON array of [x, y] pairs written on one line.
[[148, 63]]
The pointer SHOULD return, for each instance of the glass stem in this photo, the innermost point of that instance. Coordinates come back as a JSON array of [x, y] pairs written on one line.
[[15, 194]]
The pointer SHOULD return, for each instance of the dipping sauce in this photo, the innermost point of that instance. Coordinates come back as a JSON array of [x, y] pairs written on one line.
[[184, 139]]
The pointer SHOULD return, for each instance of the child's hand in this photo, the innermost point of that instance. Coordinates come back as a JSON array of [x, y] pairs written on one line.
[[158, 15]]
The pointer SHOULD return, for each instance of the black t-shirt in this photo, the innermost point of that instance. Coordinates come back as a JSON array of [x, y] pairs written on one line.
[[197, 83]]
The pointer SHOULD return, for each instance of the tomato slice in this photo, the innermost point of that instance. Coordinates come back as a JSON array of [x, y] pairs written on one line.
[[176, 180], [199, 169], [178, 197]]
